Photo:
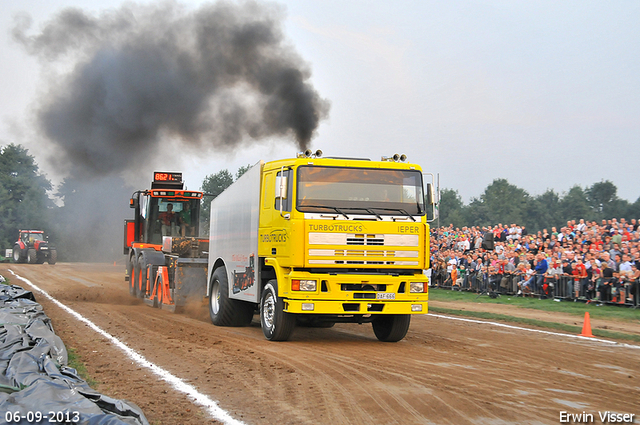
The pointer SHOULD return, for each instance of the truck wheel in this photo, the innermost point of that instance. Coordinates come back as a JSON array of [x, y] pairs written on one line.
[[53, 256], [132, 276], [17, 254], [276, 324], [223, 310], [32, 256], [391, 328]]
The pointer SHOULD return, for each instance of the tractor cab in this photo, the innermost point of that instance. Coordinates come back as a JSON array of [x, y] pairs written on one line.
[[174, 216], [30, 237]]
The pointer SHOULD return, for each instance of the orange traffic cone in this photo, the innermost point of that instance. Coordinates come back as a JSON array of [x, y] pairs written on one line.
[[586, 328]]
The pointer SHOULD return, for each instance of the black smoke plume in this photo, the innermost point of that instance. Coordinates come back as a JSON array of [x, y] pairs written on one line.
[[213, 78], [124, 85]]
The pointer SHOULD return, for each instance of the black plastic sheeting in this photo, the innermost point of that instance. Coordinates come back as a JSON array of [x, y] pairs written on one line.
[[36, 385]]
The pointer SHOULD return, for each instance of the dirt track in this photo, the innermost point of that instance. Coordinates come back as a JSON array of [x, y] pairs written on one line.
[[444, 372]]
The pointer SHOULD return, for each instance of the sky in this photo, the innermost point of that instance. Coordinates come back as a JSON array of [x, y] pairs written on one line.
[[545, 94]]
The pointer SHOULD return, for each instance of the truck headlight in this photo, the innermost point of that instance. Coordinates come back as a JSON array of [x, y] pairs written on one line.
[[418, 287], [303, 285]]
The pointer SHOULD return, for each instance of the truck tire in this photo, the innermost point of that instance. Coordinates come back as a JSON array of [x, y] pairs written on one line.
[[132, 275], [53, 256], [17, 254], [32, 256], [392, 327], [276, 324], [223, 310]]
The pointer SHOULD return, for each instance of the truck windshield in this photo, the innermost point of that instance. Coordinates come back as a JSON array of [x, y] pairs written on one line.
[[383, 192]]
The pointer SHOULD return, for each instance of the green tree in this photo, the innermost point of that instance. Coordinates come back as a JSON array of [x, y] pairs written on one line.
[[633, 211], [543, 212], [600, 196], [574, 205], [23, 195], [451, 208], [242, 170], [477, 213], [503, 203]]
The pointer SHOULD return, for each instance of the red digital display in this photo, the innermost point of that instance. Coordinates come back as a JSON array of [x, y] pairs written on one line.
[[167, 177]]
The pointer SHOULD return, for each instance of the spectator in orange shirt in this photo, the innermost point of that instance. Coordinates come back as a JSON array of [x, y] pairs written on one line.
[[580, 281]]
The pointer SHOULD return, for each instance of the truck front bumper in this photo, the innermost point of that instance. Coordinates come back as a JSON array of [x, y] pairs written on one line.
[[352, 307]]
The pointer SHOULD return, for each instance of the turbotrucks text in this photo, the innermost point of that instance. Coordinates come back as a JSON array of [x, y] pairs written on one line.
[[314, 241]]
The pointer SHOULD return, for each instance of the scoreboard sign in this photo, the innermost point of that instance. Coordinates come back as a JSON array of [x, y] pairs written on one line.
[[167, 177]]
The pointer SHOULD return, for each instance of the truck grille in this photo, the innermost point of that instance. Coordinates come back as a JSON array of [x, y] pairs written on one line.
[[377, 249]]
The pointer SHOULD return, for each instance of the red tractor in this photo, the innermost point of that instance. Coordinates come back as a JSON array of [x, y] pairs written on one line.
[[33, 248]]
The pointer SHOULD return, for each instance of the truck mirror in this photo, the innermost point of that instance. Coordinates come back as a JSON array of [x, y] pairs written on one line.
[[487, 241], [430, 195], [282, 189]]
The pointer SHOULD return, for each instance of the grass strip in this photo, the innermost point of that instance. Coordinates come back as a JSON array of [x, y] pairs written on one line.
[[534, 322], [623, 313], [75, 362]]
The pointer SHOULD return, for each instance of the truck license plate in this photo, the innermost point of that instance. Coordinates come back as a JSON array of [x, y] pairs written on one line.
[[386, 296]]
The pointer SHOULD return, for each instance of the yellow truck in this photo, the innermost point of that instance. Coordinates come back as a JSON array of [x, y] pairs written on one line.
[[313, 241]]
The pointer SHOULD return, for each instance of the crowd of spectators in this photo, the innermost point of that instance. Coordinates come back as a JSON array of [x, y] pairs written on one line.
[[582, 260]]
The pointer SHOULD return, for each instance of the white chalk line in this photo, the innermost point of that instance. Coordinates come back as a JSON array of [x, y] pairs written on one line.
[[503, 325], [198, 398]]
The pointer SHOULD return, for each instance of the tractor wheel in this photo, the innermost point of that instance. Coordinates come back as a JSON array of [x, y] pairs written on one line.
[[132, 276], [32, 256], [277, 325], [17, 254], [392, 327], [141, 276], [223, 310], [53, 256]]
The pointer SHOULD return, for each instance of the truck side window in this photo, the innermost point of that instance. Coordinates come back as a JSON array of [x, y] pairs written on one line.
[[284, 178]]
